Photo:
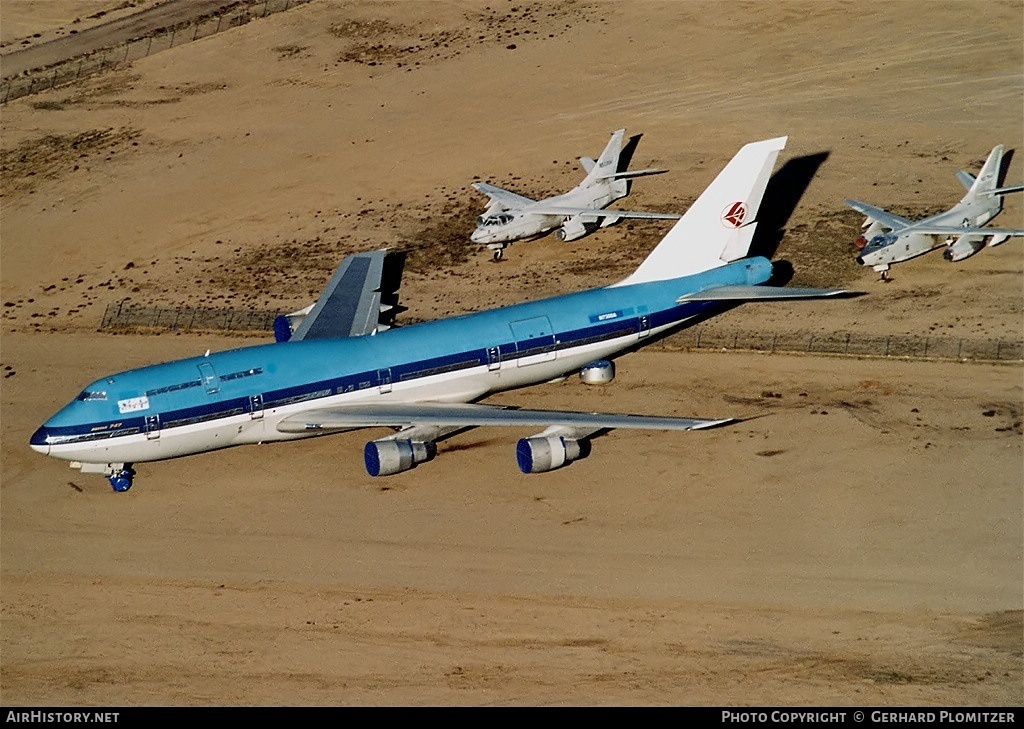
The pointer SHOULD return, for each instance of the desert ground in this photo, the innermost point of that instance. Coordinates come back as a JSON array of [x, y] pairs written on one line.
[[856, 539]]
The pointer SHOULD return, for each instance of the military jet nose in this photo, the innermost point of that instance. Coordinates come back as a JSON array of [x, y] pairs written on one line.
[[38, 441], [479, 236], [860, 260]]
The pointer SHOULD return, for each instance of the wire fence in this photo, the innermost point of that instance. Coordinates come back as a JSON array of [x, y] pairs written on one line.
[[186, 318], [72, 70], [849, 343], [702, 336]]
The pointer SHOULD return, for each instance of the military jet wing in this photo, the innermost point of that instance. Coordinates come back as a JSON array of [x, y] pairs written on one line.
[[507, 198], [889, 220], [400, 415], [542, 209]]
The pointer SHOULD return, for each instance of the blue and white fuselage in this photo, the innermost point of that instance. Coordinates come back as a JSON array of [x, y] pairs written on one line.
[[241, 395], [337, 367]]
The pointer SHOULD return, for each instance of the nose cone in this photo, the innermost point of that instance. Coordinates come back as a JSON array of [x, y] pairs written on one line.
[[39, 443], [479, 236], [860, 260]]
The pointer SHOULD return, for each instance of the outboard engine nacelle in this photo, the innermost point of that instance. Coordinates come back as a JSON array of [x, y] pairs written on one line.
[[574, 228], [546, 453], [600, 372], [388, 456], [963, 247]]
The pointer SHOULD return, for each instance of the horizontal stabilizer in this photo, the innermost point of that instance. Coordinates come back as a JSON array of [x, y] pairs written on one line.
[[627, 174], [1004, 190], [966, 179], [762, 293], [399, 415]]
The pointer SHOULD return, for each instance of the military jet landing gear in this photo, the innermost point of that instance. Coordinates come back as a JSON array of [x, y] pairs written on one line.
[[498, 254], [121, 479]]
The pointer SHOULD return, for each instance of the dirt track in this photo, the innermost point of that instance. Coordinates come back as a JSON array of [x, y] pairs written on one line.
[[858, 542]]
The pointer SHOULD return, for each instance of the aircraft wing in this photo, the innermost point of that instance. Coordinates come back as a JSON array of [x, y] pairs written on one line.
[[959, 230], [400, 415], [889, 220], [542, 209], [760, 293], [350, 305], [507, 198]]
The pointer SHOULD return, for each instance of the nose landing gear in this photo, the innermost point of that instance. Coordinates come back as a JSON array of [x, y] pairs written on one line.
[[121, 479]]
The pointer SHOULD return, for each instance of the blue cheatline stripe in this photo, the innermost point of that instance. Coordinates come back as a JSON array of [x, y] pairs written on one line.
[[614, 328]]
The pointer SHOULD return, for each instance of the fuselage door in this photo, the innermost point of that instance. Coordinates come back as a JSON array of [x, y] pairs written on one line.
[[384, 380], [209, 378], [256, 406], [493, 358], [152, 427], [535, 340]]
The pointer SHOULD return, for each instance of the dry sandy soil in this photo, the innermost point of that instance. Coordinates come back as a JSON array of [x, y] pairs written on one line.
[[858, 543]]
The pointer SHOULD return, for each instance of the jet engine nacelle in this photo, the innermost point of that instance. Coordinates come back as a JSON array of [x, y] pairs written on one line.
[[546, 453], [389, 456], [600, 372], [963, 247], [574, 228]]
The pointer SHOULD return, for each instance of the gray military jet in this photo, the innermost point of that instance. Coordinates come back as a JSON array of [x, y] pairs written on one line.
[[511, 217], [891, 239]]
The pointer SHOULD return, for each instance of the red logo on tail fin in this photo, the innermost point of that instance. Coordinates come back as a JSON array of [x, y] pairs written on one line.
[[733, 215]]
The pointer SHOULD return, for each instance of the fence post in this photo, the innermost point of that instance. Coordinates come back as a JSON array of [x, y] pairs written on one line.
[[846, 347], [959, 348], [697, 345], [810, 339], [924, 352], [997, 349], [774, 335]]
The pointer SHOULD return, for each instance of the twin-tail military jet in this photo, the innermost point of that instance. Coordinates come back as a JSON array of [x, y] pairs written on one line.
[[579, 212], [336, 368], [891, 239]]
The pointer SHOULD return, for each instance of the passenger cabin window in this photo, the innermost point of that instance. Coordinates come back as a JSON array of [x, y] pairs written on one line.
[[89, 395]]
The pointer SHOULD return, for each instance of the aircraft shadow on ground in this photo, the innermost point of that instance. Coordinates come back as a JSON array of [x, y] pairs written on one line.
[[785, 189], [1004, 167]]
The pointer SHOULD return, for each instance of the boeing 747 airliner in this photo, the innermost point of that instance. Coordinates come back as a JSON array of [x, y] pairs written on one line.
[[335, 367]]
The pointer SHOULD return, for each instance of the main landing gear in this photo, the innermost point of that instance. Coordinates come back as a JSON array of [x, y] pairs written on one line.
[[121, 479]]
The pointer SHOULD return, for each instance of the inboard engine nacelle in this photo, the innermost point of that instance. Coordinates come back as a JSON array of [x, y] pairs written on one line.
[[963, 247], [575, 228], [546, 453], [389, 456]]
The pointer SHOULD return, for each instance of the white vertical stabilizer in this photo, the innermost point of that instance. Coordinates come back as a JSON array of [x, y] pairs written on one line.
[[988, 178], [719, 226]]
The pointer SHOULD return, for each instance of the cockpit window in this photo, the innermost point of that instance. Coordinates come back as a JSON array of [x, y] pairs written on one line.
[[88, 395], [488, 221]]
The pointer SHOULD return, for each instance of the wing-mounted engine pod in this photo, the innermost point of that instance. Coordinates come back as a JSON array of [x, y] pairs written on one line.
[[574, 228], [964, 247], [600, 372], [546, 453], [387, 457]]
